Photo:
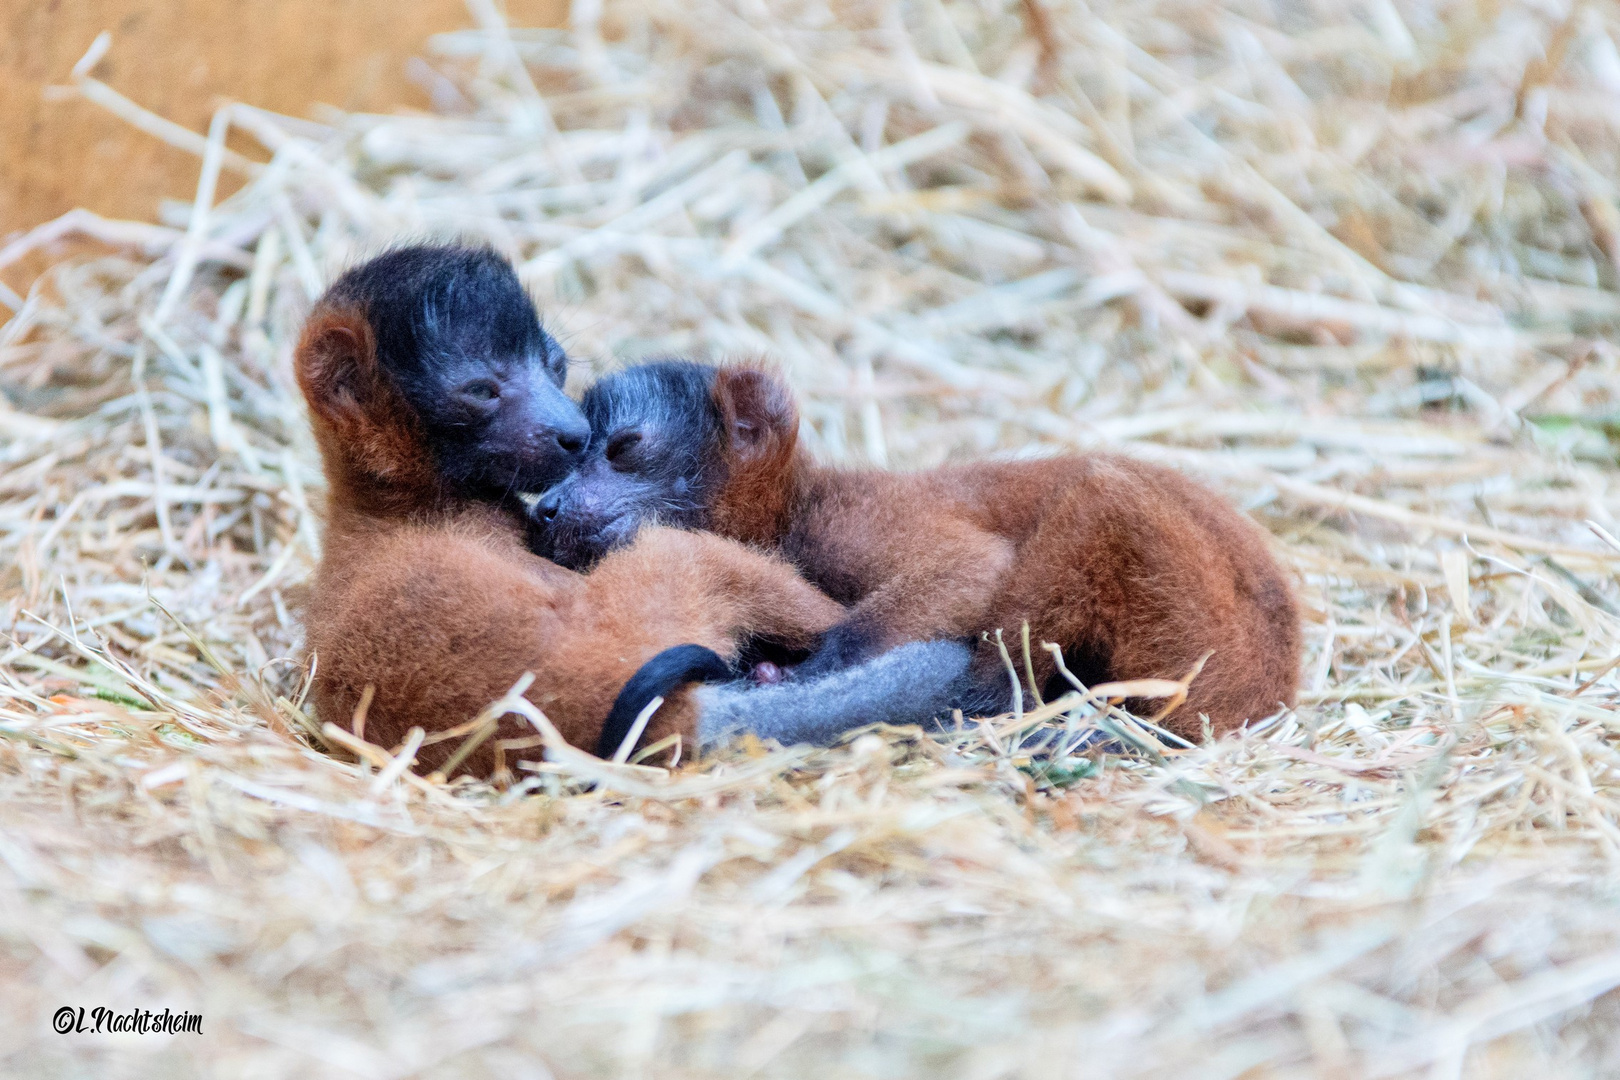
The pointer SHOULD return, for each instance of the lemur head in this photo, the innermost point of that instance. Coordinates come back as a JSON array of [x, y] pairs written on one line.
[[677, 443], [427, 373]]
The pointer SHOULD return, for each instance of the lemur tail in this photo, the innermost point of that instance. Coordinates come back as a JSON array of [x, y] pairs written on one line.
[[659, 677], [909, 684]]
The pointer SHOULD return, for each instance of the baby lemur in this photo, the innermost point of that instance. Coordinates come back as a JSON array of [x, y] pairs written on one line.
[[1133, 569], [436, 398]]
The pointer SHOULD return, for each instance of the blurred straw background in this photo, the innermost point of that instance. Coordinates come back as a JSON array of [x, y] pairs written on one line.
[[1355, 264]]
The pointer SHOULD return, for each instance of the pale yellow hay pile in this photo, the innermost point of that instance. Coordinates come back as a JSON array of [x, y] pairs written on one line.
[[1354, 264]]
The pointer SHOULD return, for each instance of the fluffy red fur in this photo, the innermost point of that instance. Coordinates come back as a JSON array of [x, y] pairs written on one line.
[[436, 603], [1135, 570]]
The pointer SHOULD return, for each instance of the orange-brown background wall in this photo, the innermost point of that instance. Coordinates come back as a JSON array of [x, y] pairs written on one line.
[[180, 58]]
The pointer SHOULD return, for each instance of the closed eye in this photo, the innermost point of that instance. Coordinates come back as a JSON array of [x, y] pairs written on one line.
[[620, 445], [482, 390], [556, 359]]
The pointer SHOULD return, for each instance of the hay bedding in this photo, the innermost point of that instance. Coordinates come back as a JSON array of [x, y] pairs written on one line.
[[1353, 264]]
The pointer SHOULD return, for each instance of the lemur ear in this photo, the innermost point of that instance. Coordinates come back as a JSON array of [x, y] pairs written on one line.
[[337, 364], [348, 391], [757, 409]]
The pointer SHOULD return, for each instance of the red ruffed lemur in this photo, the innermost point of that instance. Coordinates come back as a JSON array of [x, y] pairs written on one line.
[[1133, 569], [436, 399]]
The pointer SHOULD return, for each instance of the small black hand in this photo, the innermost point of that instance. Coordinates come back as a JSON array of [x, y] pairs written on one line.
[[844, 645]]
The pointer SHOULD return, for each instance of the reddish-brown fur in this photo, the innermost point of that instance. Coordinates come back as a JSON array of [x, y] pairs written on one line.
[[1134, 569], [436, 602]]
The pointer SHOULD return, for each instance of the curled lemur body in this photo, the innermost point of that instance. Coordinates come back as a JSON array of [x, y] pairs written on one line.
[[436, 398], [1133, 569]]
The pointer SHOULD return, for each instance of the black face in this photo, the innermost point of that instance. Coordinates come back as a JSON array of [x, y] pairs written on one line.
[[655, 431], [463, 343]]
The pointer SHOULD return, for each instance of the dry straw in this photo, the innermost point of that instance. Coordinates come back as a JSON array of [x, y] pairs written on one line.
[[1355, 264]]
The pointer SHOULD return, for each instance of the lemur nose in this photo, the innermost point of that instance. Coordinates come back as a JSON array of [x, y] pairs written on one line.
[[550, 503], [571, 443]]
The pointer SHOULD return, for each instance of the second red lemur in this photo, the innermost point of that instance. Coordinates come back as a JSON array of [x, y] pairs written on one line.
[[1133, 569], [436, 397]]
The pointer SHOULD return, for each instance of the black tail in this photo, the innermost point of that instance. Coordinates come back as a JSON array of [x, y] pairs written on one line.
[[658, 677]]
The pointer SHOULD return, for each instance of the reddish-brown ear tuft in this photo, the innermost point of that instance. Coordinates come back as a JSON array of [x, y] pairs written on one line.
[[336, 363], [757, 409], [368, 434], [760, 449]]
